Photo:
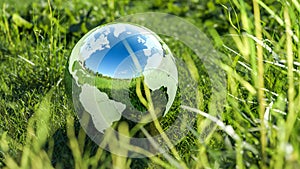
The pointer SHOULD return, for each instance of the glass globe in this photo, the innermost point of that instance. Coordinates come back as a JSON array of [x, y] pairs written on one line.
[[119, 71]]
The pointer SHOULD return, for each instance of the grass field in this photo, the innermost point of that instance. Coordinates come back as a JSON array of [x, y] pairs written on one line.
[[260, 123]]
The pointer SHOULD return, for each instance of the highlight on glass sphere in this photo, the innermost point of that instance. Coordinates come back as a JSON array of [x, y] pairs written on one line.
[[121, 70]]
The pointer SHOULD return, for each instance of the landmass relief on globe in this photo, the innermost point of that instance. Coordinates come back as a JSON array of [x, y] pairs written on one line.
[[114, 66]]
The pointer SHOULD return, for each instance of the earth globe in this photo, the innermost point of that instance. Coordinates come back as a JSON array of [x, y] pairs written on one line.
[[121, 71]]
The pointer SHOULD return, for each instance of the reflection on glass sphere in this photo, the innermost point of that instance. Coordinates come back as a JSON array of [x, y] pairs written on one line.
[[113, 67]]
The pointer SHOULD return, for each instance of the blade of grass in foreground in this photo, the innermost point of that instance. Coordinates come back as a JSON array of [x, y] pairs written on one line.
[[292, 116], [260, 84]]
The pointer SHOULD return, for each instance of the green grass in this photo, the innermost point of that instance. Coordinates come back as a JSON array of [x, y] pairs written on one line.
[[260, 124]]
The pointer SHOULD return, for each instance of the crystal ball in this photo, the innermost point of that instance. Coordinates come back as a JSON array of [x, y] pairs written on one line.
[[117, 70]]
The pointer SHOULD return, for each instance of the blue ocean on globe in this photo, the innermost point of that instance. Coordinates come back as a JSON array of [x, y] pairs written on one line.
[[108, 60]]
